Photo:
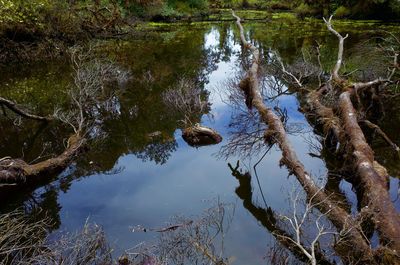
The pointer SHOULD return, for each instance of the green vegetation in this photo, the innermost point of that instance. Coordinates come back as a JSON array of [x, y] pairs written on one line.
[[356, 9], [46, 28], [342, 12]]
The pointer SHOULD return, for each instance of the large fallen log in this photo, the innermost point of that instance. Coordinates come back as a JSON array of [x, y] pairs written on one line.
[[332, 129], [372, 186], [356, 247]]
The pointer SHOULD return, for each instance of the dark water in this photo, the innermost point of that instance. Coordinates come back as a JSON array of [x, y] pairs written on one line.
[[130, 178]]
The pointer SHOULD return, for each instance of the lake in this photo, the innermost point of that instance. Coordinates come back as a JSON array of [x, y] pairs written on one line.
[[140, 172]]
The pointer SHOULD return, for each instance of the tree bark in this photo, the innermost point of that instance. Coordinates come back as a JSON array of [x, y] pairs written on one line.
[[372, 186], [356, 246], [18, 172]]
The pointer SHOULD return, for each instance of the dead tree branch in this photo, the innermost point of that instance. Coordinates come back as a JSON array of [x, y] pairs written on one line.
[[276, 134], [297, 223], [286, 72], [372, 187], [269, 220], [335, 71], [91, 77], [18, 110], [377, 129]]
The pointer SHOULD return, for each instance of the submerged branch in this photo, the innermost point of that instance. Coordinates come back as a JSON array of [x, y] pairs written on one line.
[[377, 129], [18, 172], [18, 110]]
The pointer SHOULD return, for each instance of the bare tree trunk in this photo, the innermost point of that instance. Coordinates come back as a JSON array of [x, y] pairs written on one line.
[[356, 245], [326, 117], [372, 186]]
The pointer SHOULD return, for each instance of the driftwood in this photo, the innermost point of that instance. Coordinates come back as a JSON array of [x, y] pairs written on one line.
[[16, 172], [355, 247], [199, 135]]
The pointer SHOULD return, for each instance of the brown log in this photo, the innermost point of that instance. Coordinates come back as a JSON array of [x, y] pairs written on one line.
[[356, 245], [325, 115], [18, 172], [199, 135], [372, 187]]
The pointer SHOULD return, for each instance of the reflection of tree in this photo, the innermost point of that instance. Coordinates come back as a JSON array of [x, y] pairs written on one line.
[[158, 152], [267, 217], [198, 240], [133, 120], [247, 134]]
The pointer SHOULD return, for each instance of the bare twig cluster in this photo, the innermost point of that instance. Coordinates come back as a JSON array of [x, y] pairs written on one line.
[[91, 77], [24, 240], [187, 98], [298, 222], [189, 241], [87, 246], [21, 238]]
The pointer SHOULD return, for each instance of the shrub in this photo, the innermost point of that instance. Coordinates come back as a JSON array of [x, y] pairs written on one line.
[[198, 4], [342, 12], [169, 12], [279, 5], [305, 10]]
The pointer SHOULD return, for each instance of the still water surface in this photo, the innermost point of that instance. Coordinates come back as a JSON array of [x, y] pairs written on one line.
[[130, 178]]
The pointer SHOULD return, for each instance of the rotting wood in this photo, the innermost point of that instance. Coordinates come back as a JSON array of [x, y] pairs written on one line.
[[332, 129], [357, 247]]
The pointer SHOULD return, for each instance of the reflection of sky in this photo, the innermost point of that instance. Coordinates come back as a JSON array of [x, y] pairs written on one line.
[[148, 194]]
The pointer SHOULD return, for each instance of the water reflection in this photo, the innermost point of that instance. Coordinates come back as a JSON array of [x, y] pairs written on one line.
[[142, 172]]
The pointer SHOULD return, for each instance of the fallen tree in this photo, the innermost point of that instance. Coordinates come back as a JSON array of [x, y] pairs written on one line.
[[369, 178], [90, 77]]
